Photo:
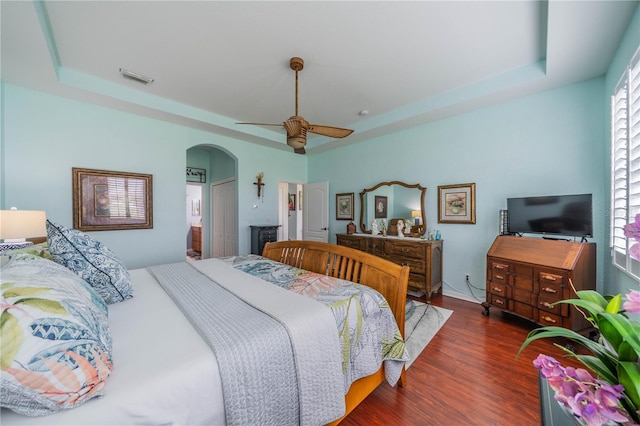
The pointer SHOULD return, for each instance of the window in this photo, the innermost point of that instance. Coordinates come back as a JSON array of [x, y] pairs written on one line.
[[625, 163]]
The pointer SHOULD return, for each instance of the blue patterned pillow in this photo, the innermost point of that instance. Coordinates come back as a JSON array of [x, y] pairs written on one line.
[[56, 346], [90, 259]]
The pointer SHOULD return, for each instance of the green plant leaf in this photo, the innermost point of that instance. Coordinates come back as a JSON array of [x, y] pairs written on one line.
[[12, 338], [614, 305], [624, 328], [629, 376], [594, 308], [593, 296], [626, 352]]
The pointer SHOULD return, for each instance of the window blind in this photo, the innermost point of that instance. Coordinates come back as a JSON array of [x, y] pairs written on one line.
[[625, 163]]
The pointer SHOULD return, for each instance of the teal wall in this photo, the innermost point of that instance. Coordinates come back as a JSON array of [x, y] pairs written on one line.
[[617, 280], [548, 143], [44, 136], [556, 142]]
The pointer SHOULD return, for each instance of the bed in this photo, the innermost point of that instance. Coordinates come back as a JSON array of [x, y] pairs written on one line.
[[165, 371]]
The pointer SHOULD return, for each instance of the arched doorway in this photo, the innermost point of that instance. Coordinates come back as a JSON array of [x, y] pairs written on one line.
[[218, 166]]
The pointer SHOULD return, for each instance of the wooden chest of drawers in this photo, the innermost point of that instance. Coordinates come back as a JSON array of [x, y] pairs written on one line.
[[196, 238], [525, 276], [423, 257]]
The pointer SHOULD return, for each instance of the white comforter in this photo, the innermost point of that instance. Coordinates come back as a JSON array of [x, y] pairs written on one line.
[[164, 373]]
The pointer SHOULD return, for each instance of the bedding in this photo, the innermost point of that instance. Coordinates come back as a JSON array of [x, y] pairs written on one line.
[[165, 373], [368, 331]]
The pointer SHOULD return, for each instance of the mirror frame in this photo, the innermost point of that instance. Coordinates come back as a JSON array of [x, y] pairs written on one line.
[[423, 193]]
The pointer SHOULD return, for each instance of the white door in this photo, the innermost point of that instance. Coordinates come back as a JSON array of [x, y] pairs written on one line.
[[223, 218], [283, 211], [315, 211]]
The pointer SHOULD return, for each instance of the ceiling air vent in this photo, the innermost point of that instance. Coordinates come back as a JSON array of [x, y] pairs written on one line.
[[135, 76]]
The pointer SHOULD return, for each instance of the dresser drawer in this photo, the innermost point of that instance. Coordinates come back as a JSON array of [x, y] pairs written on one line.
[[551, 291], [498, 301], [547, 318], [404, 249], [415, 265], [549, 278], [348, 242], [376, 248], [499, 272], [545, 301], [417, 281], [498, 289]]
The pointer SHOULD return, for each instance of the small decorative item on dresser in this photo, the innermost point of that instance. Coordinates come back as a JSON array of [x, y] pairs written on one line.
[[351, 228]]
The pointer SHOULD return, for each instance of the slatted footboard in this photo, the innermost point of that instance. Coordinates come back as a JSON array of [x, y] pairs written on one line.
[[388, 278]]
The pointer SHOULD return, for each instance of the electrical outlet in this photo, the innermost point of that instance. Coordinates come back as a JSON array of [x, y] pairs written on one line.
[[466, 278]]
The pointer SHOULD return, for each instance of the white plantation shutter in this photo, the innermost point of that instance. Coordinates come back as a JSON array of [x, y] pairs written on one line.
[[625, 163]]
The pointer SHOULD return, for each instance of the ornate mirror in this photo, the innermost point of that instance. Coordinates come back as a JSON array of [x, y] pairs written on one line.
[[393, 200]]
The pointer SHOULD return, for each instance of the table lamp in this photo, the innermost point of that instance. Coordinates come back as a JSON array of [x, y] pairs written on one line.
[[417, 216], [18, 225]]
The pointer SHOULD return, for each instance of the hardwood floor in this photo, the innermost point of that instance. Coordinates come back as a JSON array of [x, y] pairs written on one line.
[[467, 375]]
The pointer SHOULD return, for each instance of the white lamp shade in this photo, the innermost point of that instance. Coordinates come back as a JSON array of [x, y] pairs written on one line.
[[15, 224]]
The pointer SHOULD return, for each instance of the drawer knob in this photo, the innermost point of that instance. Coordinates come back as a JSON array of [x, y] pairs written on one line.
[[405, 250], [501, 267], [546, 304], [549, 278], [497, 289], [549, 290], [549, 319], [499, 277], [498, 302]]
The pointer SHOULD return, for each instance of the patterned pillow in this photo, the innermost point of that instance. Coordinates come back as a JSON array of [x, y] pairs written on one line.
[[56, 346], [90, 259]]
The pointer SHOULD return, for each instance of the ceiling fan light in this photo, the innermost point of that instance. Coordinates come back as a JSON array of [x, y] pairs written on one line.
[[296, 141]]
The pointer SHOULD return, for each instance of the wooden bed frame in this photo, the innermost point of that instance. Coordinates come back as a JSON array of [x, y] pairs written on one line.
[[389, 279]]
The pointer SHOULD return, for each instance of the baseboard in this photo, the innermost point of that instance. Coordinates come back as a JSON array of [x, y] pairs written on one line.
[[461, 296]]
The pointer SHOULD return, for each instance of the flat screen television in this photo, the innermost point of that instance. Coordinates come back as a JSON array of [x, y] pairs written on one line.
[[569, 215]]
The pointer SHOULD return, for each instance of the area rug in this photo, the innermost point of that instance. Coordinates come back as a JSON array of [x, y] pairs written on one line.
[[422, 323]]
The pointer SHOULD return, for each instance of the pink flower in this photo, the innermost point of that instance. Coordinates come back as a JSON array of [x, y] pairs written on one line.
[[632, 230], [632, 303]]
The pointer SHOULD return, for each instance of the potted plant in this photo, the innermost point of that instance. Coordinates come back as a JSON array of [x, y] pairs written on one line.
[[608, 390]]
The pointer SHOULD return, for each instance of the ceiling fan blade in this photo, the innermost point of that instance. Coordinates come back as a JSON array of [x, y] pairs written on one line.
[[263, 124], [334, 132]]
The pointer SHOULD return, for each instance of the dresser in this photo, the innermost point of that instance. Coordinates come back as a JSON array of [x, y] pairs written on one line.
[[525, 276], [196, 238], [261, 235], [423, 257]]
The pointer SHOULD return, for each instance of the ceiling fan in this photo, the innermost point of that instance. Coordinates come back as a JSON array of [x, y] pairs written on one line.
[[297, 127]]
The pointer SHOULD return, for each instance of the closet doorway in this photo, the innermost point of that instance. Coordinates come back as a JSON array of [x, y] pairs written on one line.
[[223, 218]]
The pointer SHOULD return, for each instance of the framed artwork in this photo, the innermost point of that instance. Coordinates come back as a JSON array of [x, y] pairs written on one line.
[[380, 207], [292, 202], [457, 203], [195, 207], [105, 200], [344, 206]]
